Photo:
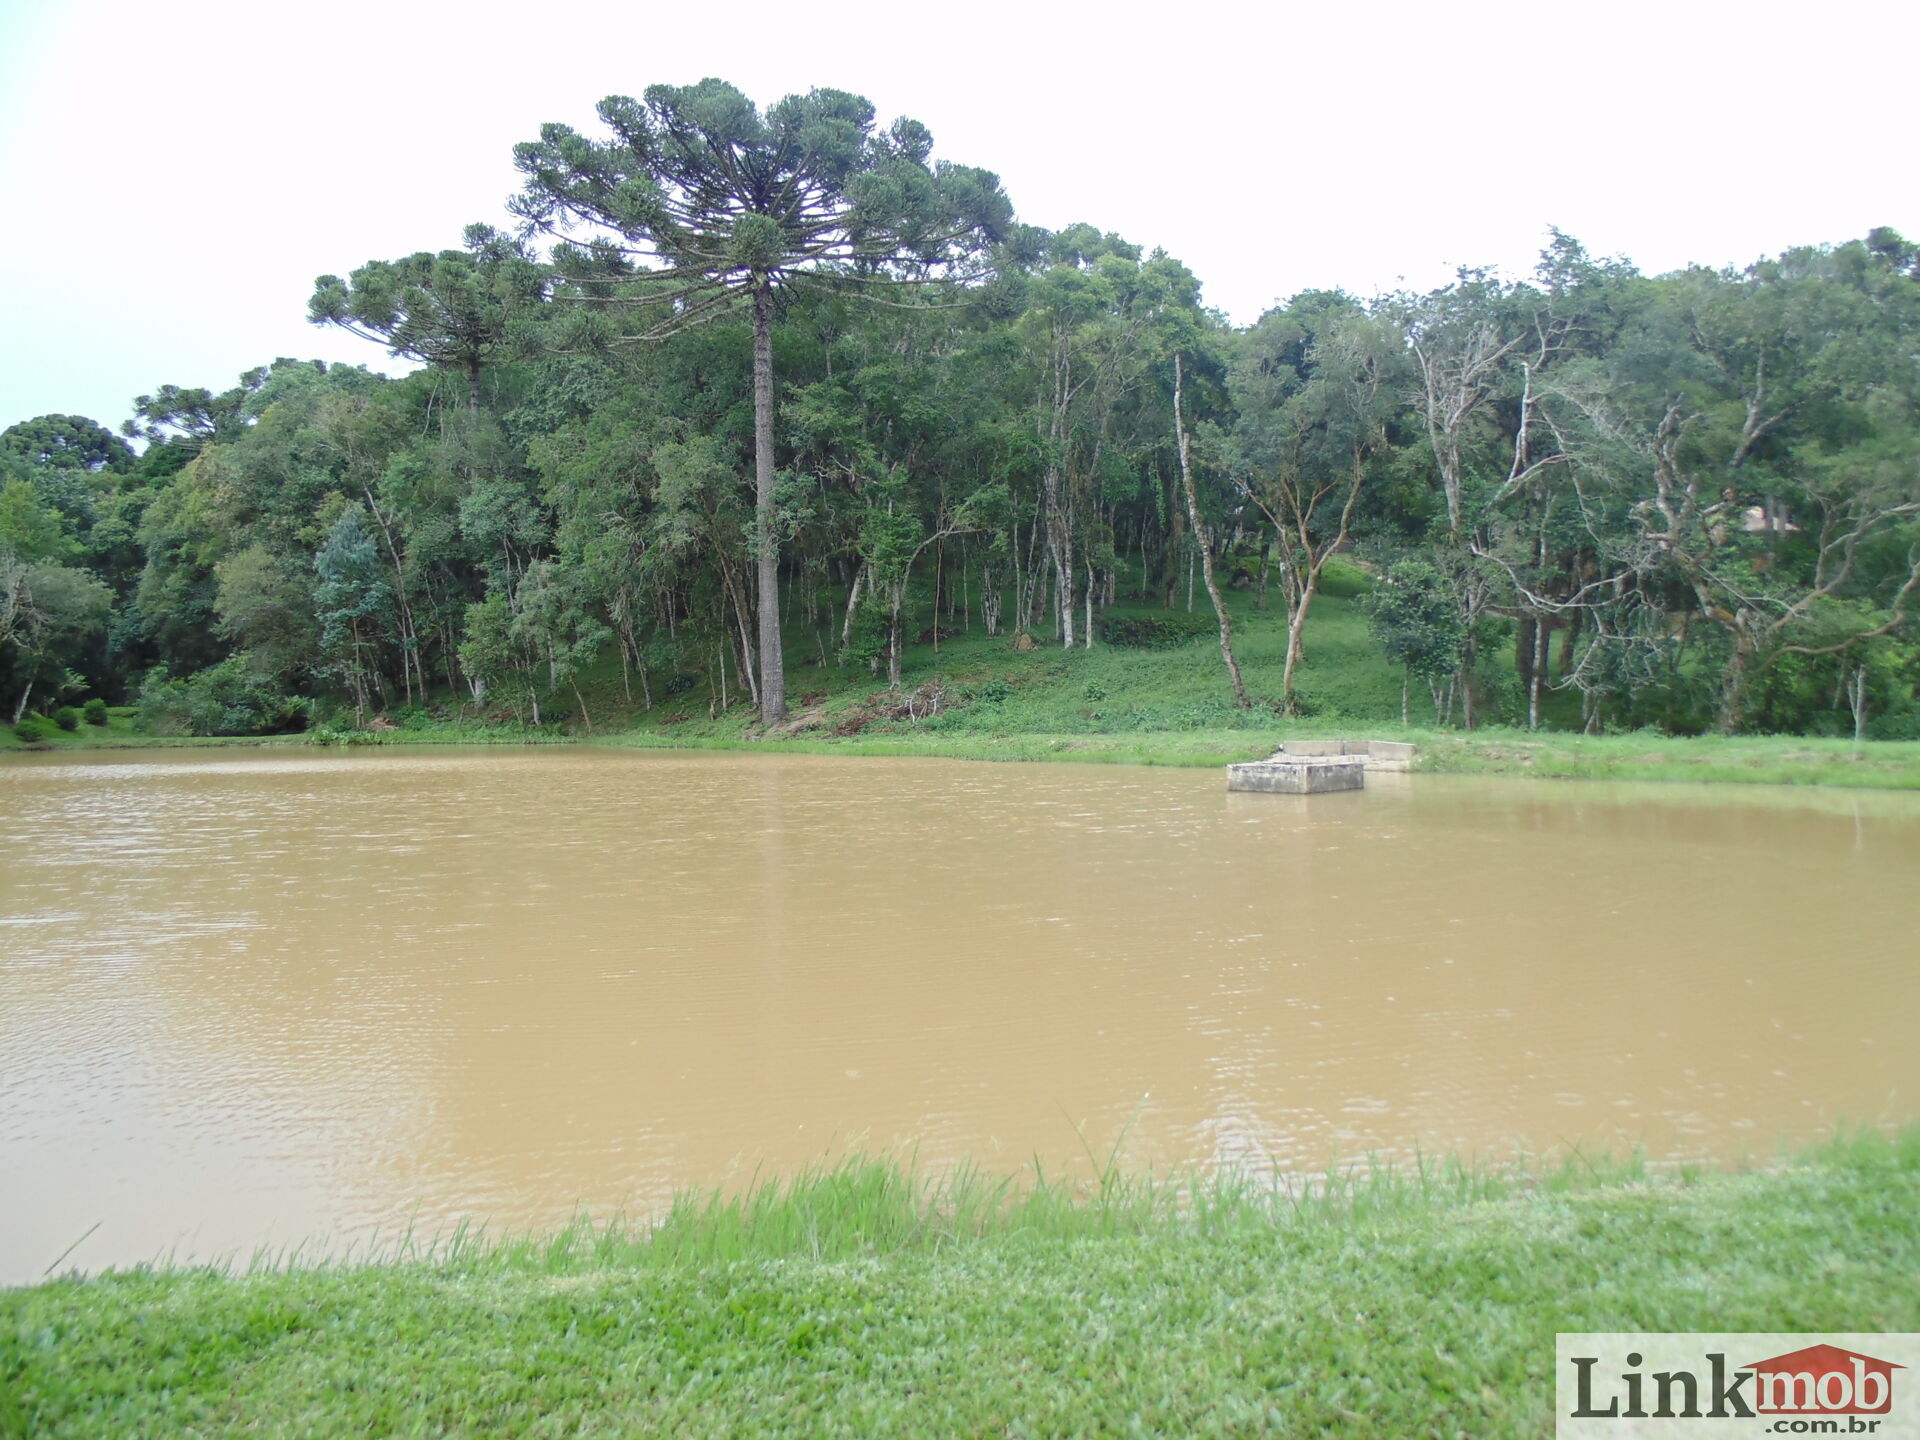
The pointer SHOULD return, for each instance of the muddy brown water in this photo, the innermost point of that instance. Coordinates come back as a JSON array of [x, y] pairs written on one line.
[[253, 999]]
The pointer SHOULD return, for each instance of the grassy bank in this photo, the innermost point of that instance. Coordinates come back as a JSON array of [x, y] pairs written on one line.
[[1743, 760], [1731, 759], [119, 733], [1551, 755], [858, 1301], [978, 697]]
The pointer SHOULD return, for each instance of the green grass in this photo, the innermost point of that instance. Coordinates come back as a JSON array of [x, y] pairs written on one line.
[[1544, 755], [117, 732], [860, 1299], [1736, 759], [1192, 748]]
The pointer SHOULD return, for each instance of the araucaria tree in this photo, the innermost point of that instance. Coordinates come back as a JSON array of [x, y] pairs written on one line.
[[699, 205], [453, 309]]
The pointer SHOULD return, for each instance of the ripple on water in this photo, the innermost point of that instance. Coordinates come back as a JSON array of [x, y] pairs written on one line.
[[272, 995]]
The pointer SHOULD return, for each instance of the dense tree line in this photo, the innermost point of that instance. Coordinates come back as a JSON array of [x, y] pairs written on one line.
[[750, 385]]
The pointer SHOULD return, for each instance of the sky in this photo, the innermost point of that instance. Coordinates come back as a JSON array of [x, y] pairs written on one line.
[[172, 178]]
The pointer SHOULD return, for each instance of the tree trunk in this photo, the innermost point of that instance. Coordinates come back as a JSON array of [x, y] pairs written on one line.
[[853, 603], [1474, 602], [1536, 672], [20, 705], [359, 681], [1175, 548], [1199, 535], [1733, 698], [773, 671], [1054, 501], [966, 605], [746, 663], [1063, 595], [1296, 650], [1857, 702], [743, 630], [897, 600], [1086, 638]]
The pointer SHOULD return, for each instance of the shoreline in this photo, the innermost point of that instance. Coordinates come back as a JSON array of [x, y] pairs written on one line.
[[1550, 755]]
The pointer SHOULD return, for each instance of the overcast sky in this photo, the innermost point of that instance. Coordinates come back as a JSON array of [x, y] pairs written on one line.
[[174, 177]]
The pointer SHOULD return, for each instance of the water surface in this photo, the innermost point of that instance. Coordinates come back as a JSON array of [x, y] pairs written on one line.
[[253, 999]]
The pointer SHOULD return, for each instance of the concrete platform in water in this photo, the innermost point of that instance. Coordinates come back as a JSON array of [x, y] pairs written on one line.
[[1316, 767], [1282, 776]]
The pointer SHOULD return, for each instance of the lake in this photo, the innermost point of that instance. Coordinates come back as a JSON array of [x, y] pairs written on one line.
[[254, 998]]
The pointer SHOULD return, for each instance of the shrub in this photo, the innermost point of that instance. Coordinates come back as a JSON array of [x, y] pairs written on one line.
[[867, 640], [1157, 630], [67, 718], [94, 712], [32, 730], [414, 717], [1344, 580], [224, 699]]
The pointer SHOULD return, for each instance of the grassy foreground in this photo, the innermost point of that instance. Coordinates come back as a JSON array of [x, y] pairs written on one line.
[[860, 1301]]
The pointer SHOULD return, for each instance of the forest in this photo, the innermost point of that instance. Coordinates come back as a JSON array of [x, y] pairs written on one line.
[[744, 388]]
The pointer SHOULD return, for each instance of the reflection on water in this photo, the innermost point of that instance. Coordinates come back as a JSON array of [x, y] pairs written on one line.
[[255, 999]]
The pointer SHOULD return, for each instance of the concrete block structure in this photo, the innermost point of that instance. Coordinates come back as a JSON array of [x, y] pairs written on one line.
[[1315, 767], [1303, 775]]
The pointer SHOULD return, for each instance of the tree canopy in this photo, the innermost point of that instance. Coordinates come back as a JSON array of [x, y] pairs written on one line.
[[757, 383]]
